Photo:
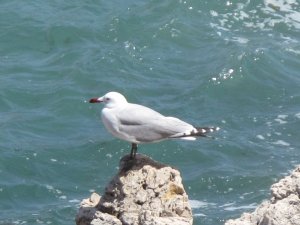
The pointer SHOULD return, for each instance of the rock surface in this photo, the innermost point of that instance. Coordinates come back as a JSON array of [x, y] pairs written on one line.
[[282, 209], [144, 192]]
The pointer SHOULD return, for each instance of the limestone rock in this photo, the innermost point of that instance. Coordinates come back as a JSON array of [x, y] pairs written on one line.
[[144, 192], [282, 209]]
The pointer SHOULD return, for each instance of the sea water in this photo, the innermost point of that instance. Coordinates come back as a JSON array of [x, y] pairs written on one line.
[[221, 63]]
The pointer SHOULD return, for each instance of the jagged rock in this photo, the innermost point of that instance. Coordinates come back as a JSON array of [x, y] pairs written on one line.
[[282, 209], [144, 192]]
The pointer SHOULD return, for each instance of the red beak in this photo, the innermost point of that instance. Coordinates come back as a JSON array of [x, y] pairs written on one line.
[[95, 100]]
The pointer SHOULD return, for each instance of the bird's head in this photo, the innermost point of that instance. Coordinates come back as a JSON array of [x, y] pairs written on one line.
[[111, 99]]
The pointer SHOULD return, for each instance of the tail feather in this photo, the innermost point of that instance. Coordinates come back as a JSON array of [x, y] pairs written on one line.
[[203, 131], [197, 132]]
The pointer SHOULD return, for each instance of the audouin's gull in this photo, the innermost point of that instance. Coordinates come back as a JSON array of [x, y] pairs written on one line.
[[139, 124]]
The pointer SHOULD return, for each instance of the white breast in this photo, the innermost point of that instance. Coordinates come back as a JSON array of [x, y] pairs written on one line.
[[111, 123]]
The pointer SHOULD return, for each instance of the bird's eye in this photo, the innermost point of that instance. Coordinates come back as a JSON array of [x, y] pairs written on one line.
[[107, 99]]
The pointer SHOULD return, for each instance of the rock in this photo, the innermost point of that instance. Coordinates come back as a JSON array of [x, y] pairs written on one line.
[[282, 209], [144, 192], [104, 219]]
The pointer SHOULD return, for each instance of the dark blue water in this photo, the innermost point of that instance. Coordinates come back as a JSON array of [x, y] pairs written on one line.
[[224, 63]]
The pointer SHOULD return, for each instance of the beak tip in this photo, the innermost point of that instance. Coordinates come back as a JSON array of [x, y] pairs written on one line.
[[94, 100]]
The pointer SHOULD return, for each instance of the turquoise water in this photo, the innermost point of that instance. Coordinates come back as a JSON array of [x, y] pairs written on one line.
[[225, 63]]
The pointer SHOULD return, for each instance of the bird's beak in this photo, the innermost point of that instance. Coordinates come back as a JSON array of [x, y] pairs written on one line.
[[96, 100]]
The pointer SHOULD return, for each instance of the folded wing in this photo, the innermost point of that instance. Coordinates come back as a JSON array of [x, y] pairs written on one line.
[[146, 125]]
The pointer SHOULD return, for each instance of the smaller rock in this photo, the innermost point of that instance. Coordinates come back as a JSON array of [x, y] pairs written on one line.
[[92, 201], [282, 209], [105, 219]]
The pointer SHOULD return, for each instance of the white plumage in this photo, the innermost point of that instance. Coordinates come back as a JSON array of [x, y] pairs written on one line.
[[139, 124]]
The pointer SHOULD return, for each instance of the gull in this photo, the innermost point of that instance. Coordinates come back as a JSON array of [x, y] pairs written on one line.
[[139, 124]]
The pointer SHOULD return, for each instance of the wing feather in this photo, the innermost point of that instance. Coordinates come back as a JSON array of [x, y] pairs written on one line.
[[147, 125]]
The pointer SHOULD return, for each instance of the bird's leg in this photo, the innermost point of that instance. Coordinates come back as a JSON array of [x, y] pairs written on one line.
[[133, 150]]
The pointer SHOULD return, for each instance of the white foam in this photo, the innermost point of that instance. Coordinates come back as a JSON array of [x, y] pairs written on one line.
[[19, 222], [241, 40], [280, 121], [196, 204], [282, 116], [243, 15], [285, 9], [244, 207], [129, 45], [297, 115], [297, 52], [262, 18], [74, 201], [49, 187], [281, 142], [108, 155], [269, 123], [230, 71], [228, 3], [199, 215], [213, 13], [259, 136], [227, 204], [225, 74]]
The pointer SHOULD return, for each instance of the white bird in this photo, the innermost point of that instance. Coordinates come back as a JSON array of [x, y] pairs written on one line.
[[139, 124]]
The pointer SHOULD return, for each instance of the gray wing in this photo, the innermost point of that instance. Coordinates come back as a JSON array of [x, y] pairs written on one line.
[[147, 125]]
